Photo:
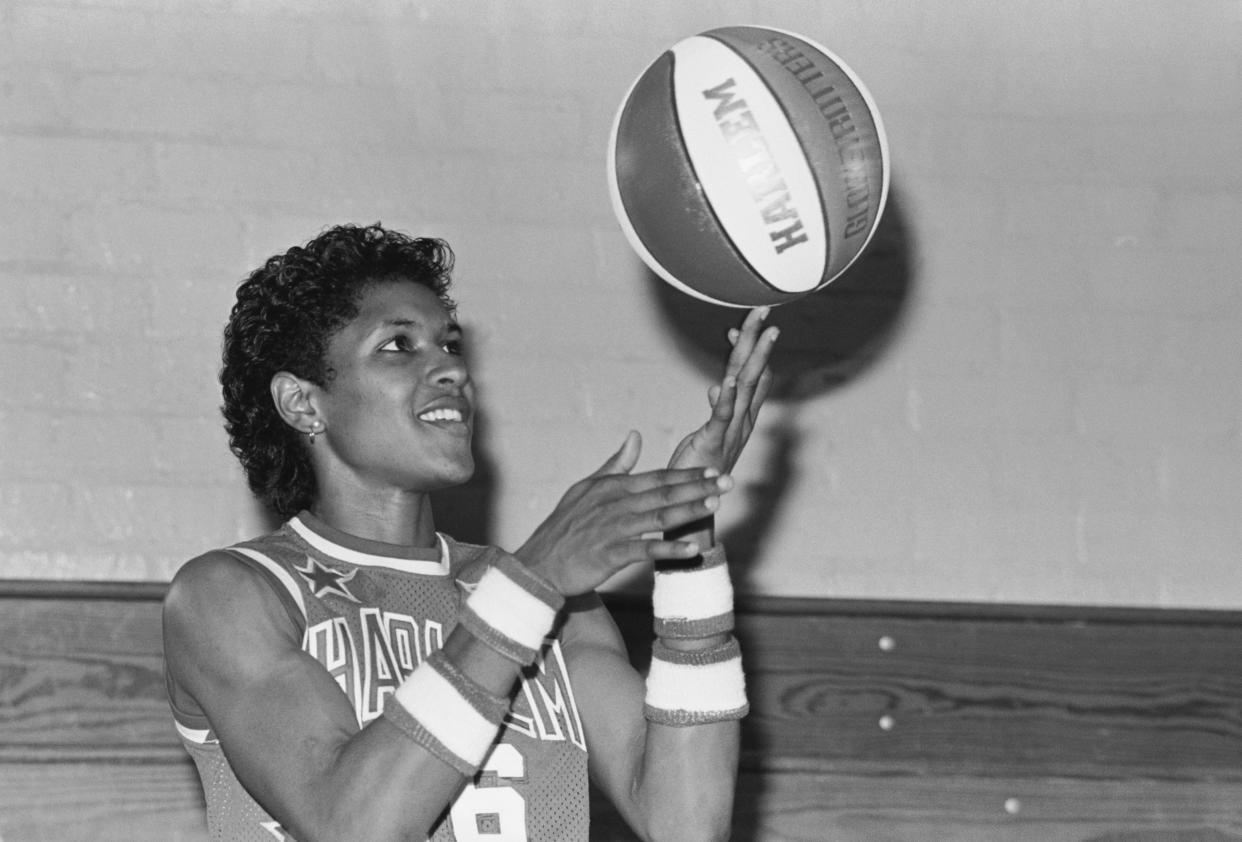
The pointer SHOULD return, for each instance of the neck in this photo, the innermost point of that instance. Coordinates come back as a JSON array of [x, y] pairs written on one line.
[[402, 519]]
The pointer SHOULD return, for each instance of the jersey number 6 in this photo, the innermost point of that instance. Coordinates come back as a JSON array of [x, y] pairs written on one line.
[[495, 813]]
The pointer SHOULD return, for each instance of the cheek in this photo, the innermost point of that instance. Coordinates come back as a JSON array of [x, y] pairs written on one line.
[[369, 411], [369, 389]]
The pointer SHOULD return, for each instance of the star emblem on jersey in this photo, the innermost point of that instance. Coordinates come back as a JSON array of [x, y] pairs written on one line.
[[325, 581]]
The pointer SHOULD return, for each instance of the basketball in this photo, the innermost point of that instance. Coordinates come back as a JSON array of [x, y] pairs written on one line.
[[748, 166]]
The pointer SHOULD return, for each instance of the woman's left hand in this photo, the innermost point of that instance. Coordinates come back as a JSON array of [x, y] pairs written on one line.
[[735, 401]]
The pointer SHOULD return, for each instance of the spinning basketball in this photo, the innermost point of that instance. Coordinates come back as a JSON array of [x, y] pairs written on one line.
[[748, 166]]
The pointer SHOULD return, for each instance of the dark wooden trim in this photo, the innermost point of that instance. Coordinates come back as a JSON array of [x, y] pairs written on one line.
[[153, 591], [82, 589]]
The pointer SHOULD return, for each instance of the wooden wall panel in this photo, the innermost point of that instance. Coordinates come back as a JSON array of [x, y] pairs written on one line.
[[81, 677], [971, 808], [1138, 695], [101, 802], [870, 721]]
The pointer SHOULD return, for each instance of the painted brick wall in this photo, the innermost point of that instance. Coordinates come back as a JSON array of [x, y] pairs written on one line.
[[1031, 390]]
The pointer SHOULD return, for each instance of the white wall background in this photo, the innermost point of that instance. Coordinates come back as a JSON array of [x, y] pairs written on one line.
[[1030, 391]]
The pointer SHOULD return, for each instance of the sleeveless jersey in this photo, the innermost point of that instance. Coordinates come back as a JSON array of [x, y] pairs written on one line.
[[370, 614]]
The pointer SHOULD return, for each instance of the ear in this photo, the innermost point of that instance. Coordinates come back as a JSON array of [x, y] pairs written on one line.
[[295, 401]]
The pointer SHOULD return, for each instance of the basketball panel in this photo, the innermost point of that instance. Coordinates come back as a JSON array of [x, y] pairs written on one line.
[[661, 205], [750, 164], [837, 124]]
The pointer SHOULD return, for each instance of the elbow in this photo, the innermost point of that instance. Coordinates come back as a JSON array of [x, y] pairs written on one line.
[[705, 815], [333, 822], [330, 831], [685, 833], [714, 827]]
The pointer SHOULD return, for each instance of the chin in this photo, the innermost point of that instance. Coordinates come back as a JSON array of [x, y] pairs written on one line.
[[458, 475]]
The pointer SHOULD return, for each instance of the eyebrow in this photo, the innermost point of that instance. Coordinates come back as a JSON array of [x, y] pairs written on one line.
[[449, 327]]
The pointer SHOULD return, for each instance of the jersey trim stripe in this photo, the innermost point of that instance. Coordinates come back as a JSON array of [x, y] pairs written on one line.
[[342, 553], [197, 736], [279, 572]]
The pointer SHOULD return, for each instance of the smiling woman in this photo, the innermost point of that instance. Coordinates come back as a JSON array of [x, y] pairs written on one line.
[[357, 674], [396, 410], [285, 314]]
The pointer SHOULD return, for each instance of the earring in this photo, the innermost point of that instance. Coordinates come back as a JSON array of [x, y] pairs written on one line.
[[315, 429]]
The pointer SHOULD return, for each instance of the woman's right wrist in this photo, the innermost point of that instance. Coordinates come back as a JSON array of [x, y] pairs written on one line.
[[512, 608], [454, 702], [536, 563]]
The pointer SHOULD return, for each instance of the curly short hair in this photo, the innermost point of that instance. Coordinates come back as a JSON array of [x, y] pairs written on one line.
[[286, 312]]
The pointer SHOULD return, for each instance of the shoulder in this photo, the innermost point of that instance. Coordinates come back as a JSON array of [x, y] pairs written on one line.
[[213, 582], [240, 577], [220, 605], [204, 582]]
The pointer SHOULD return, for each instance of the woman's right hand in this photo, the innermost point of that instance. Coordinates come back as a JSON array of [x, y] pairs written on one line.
[[613, 519]]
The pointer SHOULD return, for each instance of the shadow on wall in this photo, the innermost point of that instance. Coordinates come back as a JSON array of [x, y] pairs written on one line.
[[828, 339]]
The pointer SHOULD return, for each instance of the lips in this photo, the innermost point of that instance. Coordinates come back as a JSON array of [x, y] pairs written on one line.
[[445, 411], [436, 416]]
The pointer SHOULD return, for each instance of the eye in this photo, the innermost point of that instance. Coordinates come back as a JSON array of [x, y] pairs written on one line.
[[454, 347], [397, 343]]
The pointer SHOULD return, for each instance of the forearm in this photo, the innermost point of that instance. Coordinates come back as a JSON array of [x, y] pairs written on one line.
[[695, 699], [398, 774], [380, 785], [685, 786], [387, 782]]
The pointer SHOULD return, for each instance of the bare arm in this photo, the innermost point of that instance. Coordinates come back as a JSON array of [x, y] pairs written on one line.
[[673, 782], [288, 731], [290, 734], [668, 783]]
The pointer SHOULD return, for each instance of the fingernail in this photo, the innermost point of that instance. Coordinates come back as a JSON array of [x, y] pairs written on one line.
[[711, 472], [711, 503], [724, 483]]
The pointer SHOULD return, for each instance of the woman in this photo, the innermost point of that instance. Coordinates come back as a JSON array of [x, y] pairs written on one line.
[[356, 675]]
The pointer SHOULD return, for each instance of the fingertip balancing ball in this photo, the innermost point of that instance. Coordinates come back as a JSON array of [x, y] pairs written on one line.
[[748, 166]]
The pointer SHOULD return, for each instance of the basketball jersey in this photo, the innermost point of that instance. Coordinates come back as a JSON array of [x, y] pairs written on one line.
[[370, 613]]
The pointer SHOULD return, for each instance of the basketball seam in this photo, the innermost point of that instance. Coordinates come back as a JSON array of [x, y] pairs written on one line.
[[622, 202], [819, 192], [711, 208], [881, 136]]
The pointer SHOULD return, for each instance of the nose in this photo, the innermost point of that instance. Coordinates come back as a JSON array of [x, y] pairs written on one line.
[[450, 370]]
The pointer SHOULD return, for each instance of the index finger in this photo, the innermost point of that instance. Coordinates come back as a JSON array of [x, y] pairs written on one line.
[[754, 376], [663, 477], [746, 338]]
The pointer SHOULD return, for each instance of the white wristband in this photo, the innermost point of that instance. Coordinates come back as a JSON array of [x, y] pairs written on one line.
[[512, 610], [447, 713], [694, 602], [690, 688]]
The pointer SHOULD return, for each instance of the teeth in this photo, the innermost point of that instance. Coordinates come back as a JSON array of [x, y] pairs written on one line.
[[441, 415]]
